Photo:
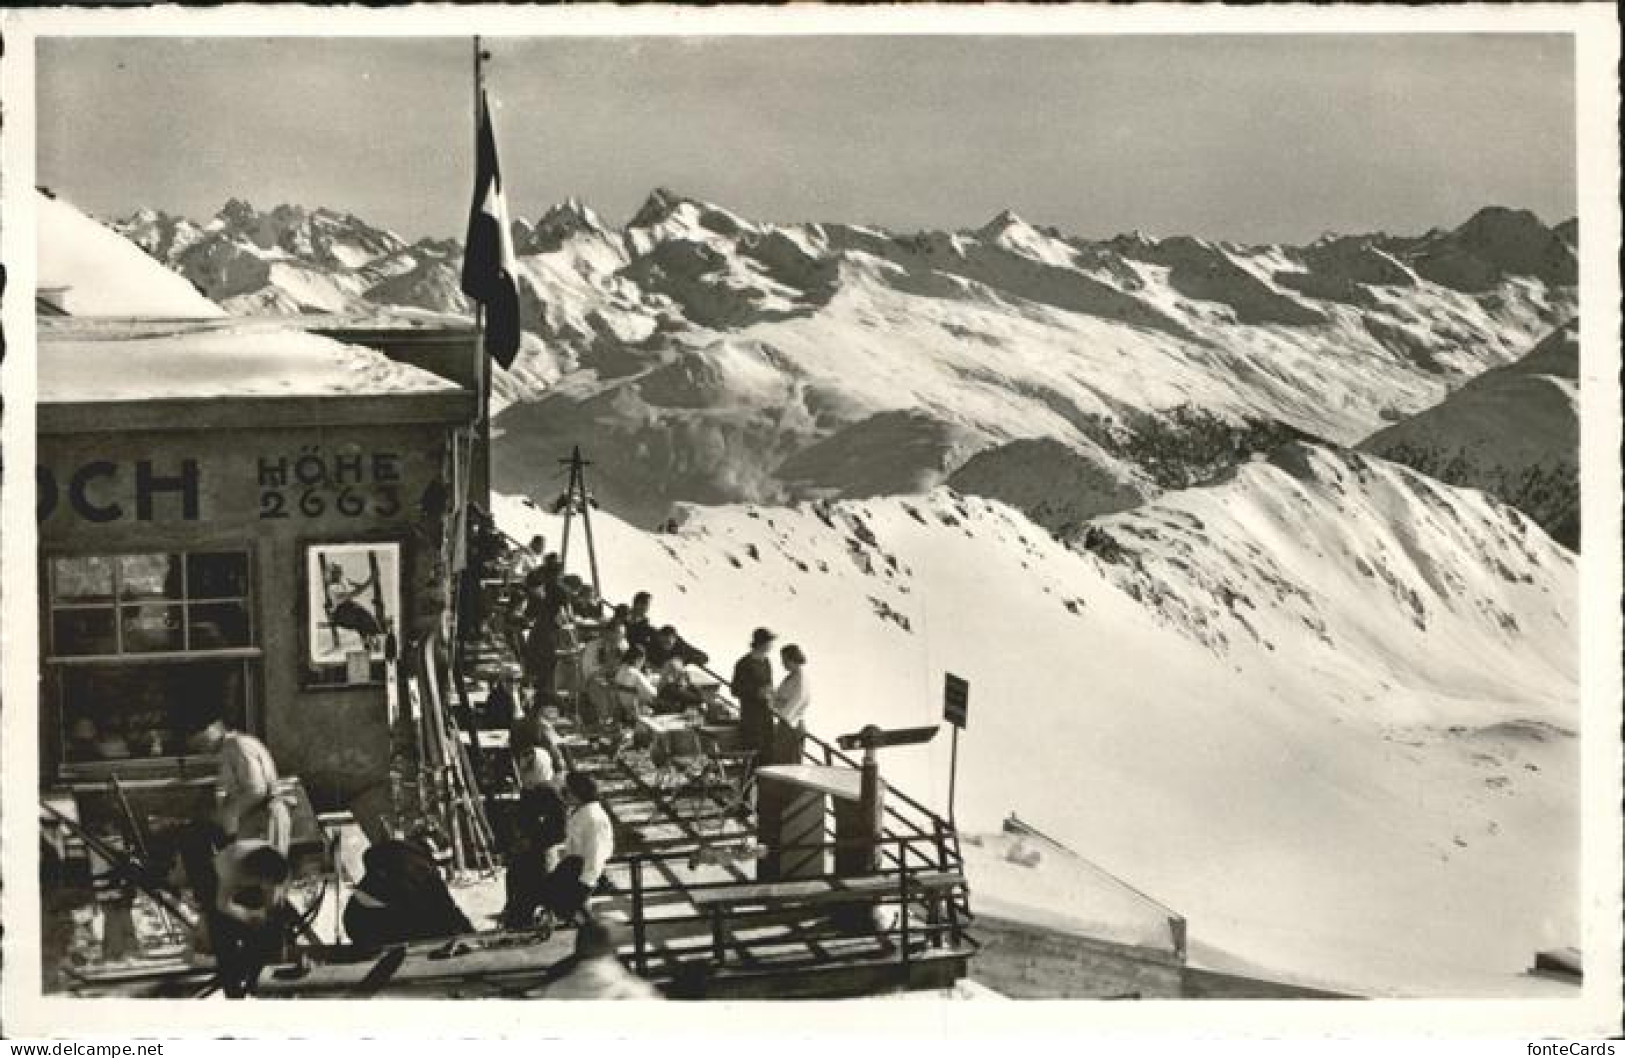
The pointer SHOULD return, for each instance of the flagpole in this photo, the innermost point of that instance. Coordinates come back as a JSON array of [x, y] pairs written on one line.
[[482, 367]]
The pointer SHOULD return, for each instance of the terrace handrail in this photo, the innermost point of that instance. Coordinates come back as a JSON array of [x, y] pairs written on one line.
[[905, 891]]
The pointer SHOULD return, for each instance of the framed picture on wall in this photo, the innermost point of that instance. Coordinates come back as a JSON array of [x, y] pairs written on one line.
[[353, 605]]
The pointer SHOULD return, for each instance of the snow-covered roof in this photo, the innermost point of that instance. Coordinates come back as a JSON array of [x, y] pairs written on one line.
[[127, 360], [92, 270]]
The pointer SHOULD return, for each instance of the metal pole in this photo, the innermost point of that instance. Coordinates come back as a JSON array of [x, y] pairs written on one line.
[[953, 776], [569, 510], [586, 528], [482, 367], [480, 371]]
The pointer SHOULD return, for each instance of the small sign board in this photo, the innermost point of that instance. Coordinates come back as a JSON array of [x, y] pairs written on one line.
[[955, 700]]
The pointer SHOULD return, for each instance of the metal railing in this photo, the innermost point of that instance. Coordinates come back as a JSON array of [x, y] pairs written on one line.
[[938, 885]]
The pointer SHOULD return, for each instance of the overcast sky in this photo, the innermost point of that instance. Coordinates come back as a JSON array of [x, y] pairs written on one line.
[[1252, 138]]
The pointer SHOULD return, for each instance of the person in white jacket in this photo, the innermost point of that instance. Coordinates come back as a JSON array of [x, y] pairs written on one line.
[[589, 842], [790, 703], [635, 694]]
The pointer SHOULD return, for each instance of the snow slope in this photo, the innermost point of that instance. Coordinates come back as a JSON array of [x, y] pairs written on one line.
[[99, 273], [1331, 724], [1513, 431]]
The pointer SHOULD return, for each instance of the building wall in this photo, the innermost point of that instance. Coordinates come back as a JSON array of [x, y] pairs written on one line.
[[269, 491], [1024, 961]]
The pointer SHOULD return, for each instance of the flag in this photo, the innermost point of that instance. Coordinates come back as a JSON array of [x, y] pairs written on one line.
[[490, 270]]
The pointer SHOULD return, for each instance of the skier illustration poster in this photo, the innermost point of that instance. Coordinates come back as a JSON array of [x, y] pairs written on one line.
[[354, 594]]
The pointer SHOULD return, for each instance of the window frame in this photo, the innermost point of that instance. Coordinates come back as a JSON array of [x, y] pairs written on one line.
[[248, 658], [117, 603]]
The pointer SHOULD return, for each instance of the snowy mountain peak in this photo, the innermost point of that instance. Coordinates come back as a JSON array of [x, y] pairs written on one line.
[[564, 221], [237, 210], [661, 204], [1005, 220], [1492, 244]]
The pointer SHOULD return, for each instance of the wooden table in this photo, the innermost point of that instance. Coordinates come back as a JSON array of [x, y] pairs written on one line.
[[793, 803]]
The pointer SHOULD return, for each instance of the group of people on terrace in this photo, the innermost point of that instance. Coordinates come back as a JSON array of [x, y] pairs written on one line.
[[620, 665]]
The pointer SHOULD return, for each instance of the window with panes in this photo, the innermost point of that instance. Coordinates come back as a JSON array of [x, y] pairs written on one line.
[[140, 647]]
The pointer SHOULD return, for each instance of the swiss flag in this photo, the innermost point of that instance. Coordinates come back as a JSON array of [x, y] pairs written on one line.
[[490, 270]]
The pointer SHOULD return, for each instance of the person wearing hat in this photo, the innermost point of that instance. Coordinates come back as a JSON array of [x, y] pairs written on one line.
[[752, 684], [790, 702]]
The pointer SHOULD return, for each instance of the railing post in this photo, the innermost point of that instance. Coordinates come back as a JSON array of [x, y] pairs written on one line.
[[639, 929], [1176, 927], [903, 917]]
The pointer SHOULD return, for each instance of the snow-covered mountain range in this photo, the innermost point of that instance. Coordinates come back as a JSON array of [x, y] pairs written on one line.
[[707, 357], [292, 260]]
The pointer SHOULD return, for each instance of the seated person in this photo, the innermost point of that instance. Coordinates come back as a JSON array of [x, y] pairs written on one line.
[[402, 897], [534, 745], [598, 700], [589, 842], [529, 557], [251, 923], [540, 832], [501, 708], [84, 741], [667, 644], [677, 692], [634, 693], [603, 651], [639, 629]]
